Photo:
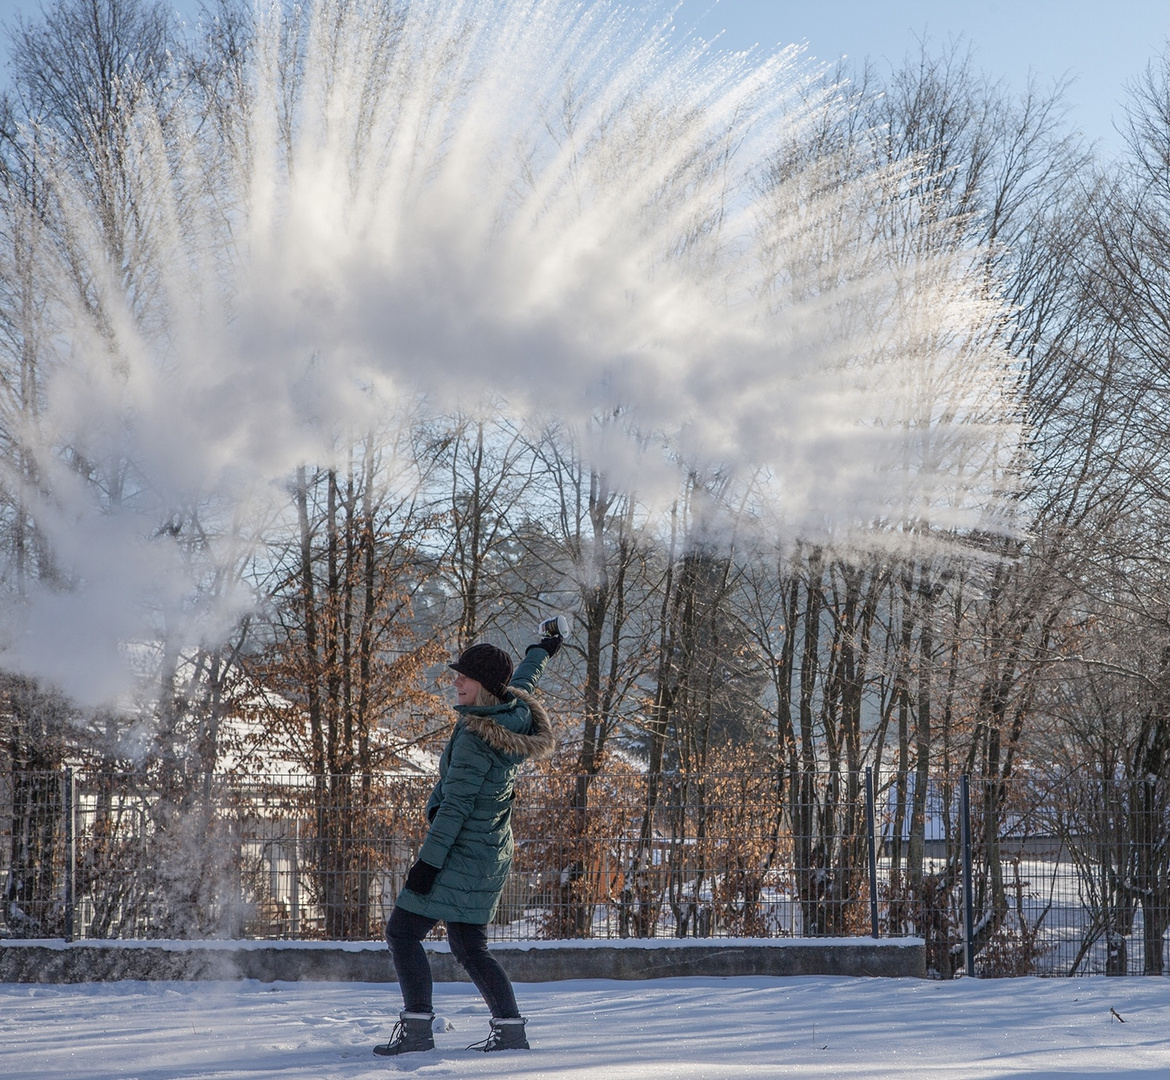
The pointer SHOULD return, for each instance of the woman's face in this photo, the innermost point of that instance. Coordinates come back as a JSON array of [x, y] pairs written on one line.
[[466, 690]]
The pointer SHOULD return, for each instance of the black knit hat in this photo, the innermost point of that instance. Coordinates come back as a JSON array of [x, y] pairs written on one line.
[[488, 666]]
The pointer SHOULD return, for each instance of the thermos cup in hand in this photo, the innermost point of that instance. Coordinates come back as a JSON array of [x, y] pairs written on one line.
[[558, 626]]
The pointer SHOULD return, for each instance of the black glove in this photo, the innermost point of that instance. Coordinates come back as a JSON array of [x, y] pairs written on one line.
[[421, 878], [549, 644]]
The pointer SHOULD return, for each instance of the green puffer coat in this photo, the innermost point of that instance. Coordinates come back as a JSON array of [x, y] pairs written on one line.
[[470, 809]]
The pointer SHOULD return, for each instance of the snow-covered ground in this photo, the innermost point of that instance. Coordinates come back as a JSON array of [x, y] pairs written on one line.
[[668, 1029]]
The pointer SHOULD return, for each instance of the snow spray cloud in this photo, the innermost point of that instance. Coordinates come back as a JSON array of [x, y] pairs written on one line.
[[572, 209]]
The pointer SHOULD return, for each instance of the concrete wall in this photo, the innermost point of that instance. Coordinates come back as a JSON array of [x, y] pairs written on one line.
[[84, 961]]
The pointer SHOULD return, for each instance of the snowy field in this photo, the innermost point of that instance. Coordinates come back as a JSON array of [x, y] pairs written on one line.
[[669, 1029]]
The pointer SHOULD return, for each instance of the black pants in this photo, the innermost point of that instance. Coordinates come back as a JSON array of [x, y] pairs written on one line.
[[404, 934]]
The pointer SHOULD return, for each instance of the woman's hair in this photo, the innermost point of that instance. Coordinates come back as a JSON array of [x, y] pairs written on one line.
[[485, 698]]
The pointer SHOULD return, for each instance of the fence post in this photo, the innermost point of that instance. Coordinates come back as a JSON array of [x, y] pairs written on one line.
[[870, 837], [70, 809], [294, 921], [968, 892]]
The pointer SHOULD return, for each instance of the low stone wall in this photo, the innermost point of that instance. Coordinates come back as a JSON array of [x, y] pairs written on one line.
[[101, 961]]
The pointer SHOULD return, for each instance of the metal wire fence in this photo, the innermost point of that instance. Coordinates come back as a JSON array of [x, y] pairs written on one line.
[[1023, 877]]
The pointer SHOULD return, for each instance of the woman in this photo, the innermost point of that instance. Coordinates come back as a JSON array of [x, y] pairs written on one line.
[[464, 861]]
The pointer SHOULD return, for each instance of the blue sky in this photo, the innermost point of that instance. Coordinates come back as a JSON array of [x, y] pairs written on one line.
[[1103, 44]]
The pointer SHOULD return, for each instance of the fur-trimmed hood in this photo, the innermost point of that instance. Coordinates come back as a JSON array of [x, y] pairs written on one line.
[[538, 744]]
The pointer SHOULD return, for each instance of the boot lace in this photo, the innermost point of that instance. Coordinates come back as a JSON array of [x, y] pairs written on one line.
[[397, 1036]]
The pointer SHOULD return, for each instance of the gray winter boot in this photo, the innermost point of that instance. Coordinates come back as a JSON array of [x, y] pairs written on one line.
[[412, 1032], [507, 1034]]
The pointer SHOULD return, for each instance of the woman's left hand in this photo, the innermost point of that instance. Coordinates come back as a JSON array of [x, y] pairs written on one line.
[[421, 878]]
